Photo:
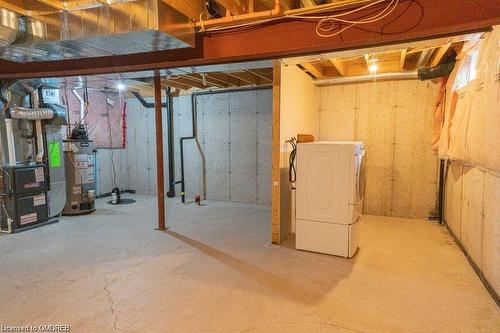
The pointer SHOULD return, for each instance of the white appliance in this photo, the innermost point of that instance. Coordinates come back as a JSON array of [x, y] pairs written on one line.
[[329, 196]]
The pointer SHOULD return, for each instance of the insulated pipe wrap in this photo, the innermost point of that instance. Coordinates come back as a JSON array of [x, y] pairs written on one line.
[[18, 112]]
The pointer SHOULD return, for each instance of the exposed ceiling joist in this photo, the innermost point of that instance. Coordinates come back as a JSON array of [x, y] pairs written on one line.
[[402, 60], [53, 3], [235, 7], [190, 8], [339, 65], [315, 69], [205, 80], [222, 77], [439, 54], [262, 76], [245, 77], [174, 84]]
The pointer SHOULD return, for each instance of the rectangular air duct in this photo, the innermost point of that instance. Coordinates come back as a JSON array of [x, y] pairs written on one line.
[[118, 28]]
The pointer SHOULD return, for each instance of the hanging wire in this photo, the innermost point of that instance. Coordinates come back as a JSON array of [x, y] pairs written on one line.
[[292, 172]]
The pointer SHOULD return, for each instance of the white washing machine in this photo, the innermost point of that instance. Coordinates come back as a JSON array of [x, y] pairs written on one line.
[[329, 196]]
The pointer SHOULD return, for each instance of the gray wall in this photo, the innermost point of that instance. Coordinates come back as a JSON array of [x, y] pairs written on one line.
[[394, 119], [235, 134]]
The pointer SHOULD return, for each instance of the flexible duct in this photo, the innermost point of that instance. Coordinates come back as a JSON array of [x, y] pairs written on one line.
[[18, 112], [429, 73]]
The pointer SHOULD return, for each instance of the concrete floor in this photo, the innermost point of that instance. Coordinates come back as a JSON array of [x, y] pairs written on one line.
[[215, 271]]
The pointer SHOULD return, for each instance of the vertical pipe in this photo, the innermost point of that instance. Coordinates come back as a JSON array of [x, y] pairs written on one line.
[[159, 153], [10, 141], [441, 191], [170, 137], [35, 103]]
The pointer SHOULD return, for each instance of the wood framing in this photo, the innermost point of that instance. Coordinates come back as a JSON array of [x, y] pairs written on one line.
[[412, 22], [275, 175]]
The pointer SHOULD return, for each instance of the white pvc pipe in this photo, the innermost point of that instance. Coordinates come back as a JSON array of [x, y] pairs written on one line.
[[82, 106], [408, 75], [10, 141]]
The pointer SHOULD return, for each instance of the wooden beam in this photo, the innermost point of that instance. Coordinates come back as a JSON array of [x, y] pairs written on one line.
[[402, 60], [250, 6], [340, 66], [160, 177], [442, 19], [315, 69], [53, 3], [276, 152], [207, 82], [262, 76], [177, 85], [15, 6], [186, 80], [439, 55], [212, 77], [190, 8], [245, 77], [235, 7], [223, 77]]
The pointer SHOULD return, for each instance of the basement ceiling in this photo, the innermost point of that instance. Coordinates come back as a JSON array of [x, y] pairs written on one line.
[[182, 80], [399, 58]]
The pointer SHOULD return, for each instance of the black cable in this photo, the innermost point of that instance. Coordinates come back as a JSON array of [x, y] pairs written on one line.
[[292, 171]]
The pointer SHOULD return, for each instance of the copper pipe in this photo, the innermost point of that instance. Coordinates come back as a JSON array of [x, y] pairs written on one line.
[[159, 153], [243, 17]]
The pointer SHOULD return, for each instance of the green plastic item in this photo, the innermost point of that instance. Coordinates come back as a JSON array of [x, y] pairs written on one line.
[[54, 154]]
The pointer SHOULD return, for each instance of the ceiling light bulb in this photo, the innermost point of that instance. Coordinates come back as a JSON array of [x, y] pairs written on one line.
[[373, 68], [120, 86]]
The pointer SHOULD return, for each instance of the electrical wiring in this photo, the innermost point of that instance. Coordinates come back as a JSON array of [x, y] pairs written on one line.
[[328, 25], [323, 32]]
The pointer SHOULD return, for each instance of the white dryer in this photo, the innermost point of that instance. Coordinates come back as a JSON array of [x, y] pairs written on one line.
[[329, 196]]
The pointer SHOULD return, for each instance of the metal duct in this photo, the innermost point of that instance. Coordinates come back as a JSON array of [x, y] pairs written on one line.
[[18, 112], [408, 75], [107, 29], [9, 25]]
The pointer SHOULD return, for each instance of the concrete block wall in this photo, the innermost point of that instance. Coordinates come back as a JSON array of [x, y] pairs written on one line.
[[394, 119], [234, 131], [472, 212]]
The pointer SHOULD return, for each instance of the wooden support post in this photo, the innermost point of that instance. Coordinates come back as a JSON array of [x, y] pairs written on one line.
[[276, 173], [159, 153]]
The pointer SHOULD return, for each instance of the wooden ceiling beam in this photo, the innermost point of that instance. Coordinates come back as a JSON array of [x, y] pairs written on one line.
[[262, 76], [402, 60], [439, 54], [245, 77], [190, 8], [315, 69], [207, 82], [53, 3], [340, 66], [223, 77], [235, 7], [13, 5], [174, 84], [188, 81]]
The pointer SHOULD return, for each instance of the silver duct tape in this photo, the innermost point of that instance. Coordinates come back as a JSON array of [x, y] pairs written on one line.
[[31, 114]]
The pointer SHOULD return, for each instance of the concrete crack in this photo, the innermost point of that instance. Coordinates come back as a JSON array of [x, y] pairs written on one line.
[[111, 304]]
